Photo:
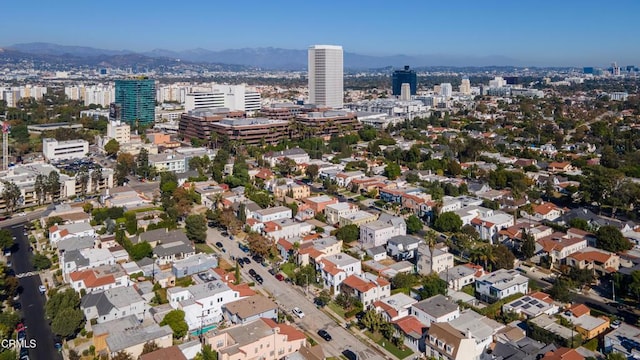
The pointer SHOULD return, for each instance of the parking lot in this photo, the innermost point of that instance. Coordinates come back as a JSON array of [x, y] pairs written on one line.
[[75, 165]]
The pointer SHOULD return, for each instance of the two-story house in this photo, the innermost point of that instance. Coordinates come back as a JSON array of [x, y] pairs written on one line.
[[443, 341], [202, 303], [366, 287], [601, 261], [394, 307], [99, 278], [403, 247], [61, 232], [78, 260], [500, 284], [292, 190], [378, 233], [333, 212], [113, 304], [334, 269], [272, 214], [558, 246], [435, 309], [357, 218]]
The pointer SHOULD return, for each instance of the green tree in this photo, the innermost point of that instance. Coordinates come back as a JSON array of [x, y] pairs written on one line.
[[196, 227], [130, 222], [610, 238], [53, 184], [40, 188], [122, 355], [324, 296], [67, 322], [286, 167], [503, 258], [140, 251], [634, 284], [59, 300], [560, 290], [448, 222], [11, 195], [404, 281], [348, 233], [207, 353], [372, 321], [528, 247], [6, 239], [149, 347], [392, 171], [175, 320], [112, 147], [414, 224], [616, 356], [312, 172], [41, 262], [432, 285], [96, 178]]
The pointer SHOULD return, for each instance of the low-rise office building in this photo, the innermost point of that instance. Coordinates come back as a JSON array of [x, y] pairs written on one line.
[[252, 131], [54, 150]]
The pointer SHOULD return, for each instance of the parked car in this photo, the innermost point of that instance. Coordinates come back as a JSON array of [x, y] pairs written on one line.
[[246, 260], [279, 277], [324, 334], [272, 271], [350, 355], [244, 249], [319, 303], [22, 335], [43, 289], [296, 311], [252, 272], [615, 324], [219, 244], [259, 279]]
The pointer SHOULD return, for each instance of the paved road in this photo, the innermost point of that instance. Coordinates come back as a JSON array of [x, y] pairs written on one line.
[[31, 300], [30, 216], [289, 296]]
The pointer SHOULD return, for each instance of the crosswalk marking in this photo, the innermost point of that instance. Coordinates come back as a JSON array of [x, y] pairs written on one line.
[[27, 274]]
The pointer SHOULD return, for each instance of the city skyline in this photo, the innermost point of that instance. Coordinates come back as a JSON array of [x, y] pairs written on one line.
[[567, 34]]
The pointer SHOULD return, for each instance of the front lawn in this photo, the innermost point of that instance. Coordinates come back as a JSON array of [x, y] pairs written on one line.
[[388, 345], [288, 269], [204, 248], [336, 309]]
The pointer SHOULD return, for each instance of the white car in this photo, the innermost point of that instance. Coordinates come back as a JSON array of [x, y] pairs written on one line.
[[296, 310], [42, 289]]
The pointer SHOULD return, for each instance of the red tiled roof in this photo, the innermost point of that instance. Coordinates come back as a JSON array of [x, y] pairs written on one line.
[[579, 310], [252, 221], [563, 354], [285, 244], [225, 276], [542, 296], [288, 330], [356, 282], [330, 267], [591, 256], [557, 241], [169, 353], [410, 325], [386, 308], [478, 221], [54, 228], [243, 289], [544, 208], [90, 280]]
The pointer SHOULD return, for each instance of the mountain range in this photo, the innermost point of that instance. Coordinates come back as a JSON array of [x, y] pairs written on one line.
[[268, 58]]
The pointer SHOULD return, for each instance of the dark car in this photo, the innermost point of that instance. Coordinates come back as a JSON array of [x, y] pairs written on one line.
[[272, 272], [219, 244], [319, 303], [224, 233], [211, 224], [22, 335], [252, 272], [259, 279], [324, 334], [350, 355], [17, 306], [24, 352], [257, 258], [244, 249], [246, 260]]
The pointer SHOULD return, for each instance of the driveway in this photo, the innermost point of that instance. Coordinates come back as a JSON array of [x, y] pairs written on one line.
[[288, 296], [32, 301]]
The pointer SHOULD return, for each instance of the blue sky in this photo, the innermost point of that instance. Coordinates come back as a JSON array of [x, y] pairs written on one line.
[[560, 32]]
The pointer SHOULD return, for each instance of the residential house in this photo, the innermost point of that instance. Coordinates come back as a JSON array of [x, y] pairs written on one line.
[[563, 354], [333, 212], [461, 275], [394, 307], [202, 303], [587, 325], [298, 155], [558, 246], [532, 305], [114, 303], [440, 261], [124, 196], [377, 253], [194, 264], [366, 287], [443, 341], [558, 167], [285, 229], [161, 236], [129, 326], [435, 309], [544, 211], [394, 195], [78, 260], [168, 353], [334, 269], [403, 247], [488, 227], [250, 309], [311, 252], [411, 330], [478, 327], [418, 203], [99, 278], [357, 218], [318, 203], [624, 340], [132, 340], [344, 179], [62, 232], [500, 284], [259, 339], [76, 243], [378, 233], [171, 252], [601, 261], [272, 214], [293, 190]]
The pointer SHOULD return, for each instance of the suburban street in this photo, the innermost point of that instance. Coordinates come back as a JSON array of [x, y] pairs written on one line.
[[289, 296], [31, 300]]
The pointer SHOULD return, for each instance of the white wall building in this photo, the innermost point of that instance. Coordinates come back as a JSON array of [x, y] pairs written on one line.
[[203, 100], [239, 97], [377, 233], [500, 284], [326, 76], [202, 303], [54, 150], [272, 214], [119, 131]]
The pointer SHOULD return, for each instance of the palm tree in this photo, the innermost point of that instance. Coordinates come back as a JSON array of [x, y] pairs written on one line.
[[431, 238]]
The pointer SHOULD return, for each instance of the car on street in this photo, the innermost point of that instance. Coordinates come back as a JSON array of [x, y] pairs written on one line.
[[279, 277], [219, 244], [246, 260], [22, 335], [43, 289], [615, 324], [324, 334], [350, 355], [272, 271], [20, 327], [259, 279], [17, 306], [297, 312], [252, 272], [224, 233], [244, 249], [318, 302]]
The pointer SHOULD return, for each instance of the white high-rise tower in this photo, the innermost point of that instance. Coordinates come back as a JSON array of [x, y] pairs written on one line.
[[326, 76]]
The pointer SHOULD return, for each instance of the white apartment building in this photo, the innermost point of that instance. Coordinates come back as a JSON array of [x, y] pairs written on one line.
[[239, 97], [435, 309], [54, 150], [204, 100], [333, 212], [446, 90], [326, 76], [169, 162], [119, 131], [202, 303], [377, 233], [336, 268], [272, 214]]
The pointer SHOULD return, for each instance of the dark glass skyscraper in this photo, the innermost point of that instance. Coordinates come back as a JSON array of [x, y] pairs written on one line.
[[137, 100], [404, 76]]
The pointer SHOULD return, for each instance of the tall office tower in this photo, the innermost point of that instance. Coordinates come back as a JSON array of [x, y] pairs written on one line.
[[405, 92], [615, 69], [405, 76], [203, 100], [326, 76], [137, 100], [465, 87], [446, 90]]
